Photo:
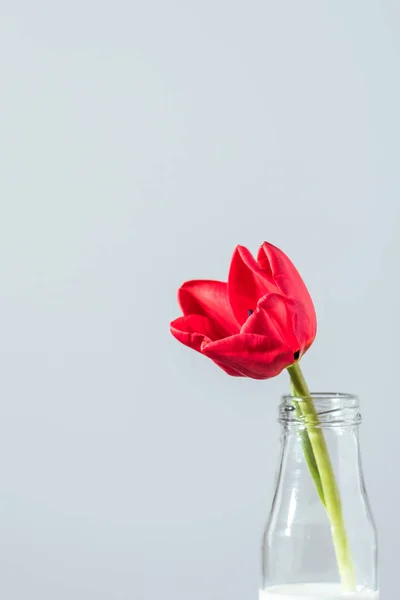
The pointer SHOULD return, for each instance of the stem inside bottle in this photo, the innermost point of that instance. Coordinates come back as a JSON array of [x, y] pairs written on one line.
[[320, 466]]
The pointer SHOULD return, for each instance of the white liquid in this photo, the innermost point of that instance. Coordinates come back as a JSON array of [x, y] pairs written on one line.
[[314, 591]]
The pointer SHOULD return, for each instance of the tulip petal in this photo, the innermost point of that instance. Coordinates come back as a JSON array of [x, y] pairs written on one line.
[[275, 262], [247, 283], [255, 356], [273, 318], [209, 299], [195, 331], [281, 269]]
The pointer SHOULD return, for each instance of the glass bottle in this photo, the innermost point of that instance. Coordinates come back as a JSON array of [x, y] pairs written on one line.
[[298, 556]]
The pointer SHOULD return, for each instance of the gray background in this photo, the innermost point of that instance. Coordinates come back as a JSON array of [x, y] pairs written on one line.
[[140, 142]]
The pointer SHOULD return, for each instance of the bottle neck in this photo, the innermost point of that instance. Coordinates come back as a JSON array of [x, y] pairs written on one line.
[[334, 419], [344, 451]]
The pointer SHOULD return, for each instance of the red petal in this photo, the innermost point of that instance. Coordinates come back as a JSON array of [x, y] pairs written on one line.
[[251, 355], [209, 299], [247, 283], [274, 319], [287, 278], [194, 331]]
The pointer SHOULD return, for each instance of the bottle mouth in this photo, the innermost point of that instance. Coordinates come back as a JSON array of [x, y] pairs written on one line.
[[323, 409]]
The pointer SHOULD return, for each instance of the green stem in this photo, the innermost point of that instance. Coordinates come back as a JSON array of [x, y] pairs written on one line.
[[327, 479], [307, 448]]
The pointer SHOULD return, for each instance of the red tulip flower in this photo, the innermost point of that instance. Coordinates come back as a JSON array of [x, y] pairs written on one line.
[[257, 324]]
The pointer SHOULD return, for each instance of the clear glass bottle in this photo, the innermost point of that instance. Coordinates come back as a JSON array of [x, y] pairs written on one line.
[[298, 557]]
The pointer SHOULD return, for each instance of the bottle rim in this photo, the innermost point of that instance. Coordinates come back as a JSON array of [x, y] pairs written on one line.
[[322, 409]]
